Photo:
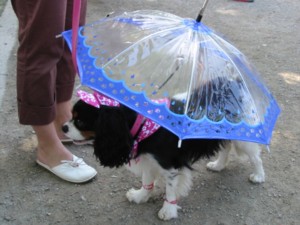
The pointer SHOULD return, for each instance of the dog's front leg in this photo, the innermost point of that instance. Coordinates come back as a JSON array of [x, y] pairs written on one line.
[[143, 194], [169, 209]]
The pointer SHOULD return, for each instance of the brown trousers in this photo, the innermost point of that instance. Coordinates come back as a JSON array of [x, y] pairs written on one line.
[[45, 73]]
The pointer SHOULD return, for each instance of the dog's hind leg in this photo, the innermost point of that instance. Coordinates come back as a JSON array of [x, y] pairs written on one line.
[[220, 163], [253, 150], [169, 209]]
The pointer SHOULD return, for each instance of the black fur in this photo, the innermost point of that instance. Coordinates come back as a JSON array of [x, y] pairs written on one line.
[[113, 141]]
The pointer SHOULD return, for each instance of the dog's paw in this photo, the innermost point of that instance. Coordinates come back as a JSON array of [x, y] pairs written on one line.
[[215, 166], [257, 178], [168, 211], [138, 196]]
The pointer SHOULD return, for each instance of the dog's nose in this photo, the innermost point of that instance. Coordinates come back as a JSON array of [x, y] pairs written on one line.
[[65, 128]]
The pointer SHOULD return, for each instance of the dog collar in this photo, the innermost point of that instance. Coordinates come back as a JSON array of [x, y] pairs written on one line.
[[137, 124], [148, 128]]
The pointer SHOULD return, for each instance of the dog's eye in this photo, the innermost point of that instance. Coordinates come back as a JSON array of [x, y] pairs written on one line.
[[79, 123]]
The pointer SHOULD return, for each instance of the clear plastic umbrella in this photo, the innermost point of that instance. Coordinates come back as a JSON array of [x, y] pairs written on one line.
[[141, 56]]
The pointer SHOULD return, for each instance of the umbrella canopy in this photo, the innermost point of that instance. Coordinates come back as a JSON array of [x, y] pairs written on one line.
[[141, 56]]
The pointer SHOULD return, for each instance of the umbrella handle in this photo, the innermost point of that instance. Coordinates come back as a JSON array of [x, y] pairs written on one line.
[[200, 15]]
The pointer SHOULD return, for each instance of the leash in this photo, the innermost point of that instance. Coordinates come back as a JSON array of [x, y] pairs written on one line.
[[75, 27]]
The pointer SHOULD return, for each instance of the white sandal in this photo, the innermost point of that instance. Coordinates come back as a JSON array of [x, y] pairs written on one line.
[[75, 171]]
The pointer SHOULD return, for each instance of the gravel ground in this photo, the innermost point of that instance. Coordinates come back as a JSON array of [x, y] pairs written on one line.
[[268, 33]]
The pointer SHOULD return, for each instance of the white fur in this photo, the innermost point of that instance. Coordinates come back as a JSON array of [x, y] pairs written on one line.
[[178, 183], [168, 211], [180, 96], [252, 150], [73, 132]]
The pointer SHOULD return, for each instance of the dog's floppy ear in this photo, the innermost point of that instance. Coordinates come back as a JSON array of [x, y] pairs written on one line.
[[113, 141]]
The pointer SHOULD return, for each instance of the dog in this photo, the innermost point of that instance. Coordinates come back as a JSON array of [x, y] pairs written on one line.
[[157, 156]]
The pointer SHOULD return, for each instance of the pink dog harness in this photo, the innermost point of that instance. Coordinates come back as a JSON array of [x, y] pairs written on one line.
[[148, 128]]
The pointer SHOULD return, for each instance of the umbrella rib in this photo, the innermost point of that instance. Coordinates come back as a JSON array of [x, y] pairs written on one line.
[[196, 50], [137, 42], [223, 51], [167, 80]]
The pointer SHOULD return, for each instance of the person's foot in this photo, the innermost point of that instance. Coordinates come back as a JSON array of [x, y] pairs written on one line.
[[75, 170], [53, 153], [55, 157], [64, 164]]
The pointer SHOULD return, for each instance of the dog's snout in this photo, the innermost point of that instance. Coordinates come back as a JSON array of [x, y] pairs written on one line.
[[65, 128]]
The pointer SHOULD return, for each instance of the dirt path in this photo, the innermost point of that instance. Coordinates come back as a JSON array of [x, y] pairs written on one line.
[[268, 32]]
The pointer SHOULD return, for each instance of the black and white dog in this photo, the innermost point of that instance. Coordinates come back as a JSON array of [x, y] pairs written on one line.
[[109, 128]]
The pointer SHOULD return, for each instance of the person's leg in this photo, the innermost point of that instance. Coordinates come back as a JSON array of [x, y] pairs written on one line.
[[50, 150], [39, 23], [38, 55]]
